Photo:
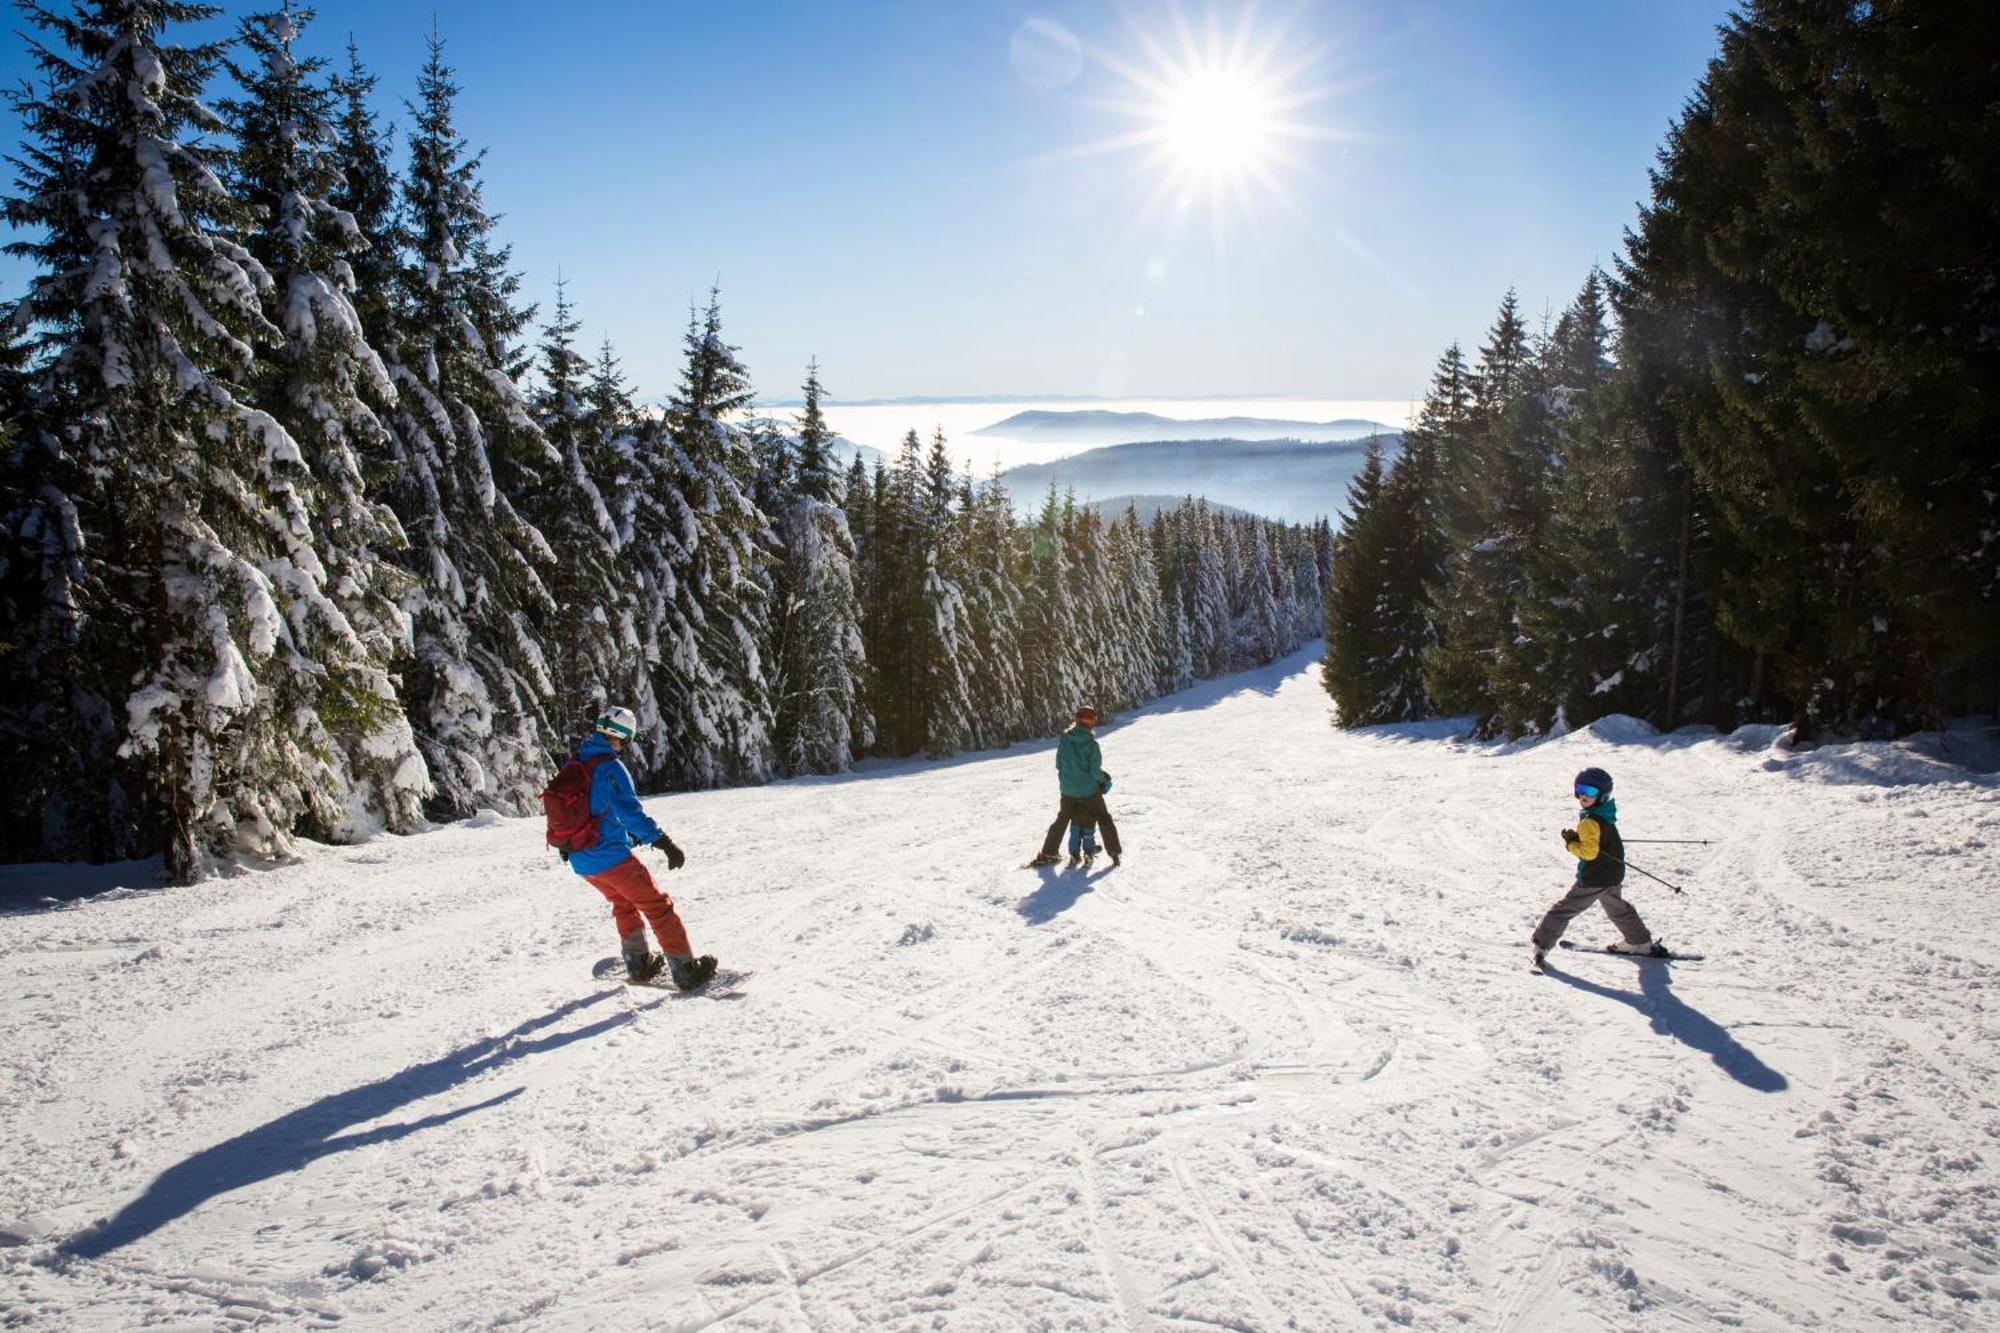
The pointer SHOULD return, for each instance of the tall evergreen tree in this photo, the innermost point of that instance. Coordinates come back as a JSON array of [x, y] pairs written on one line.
[[721, 713], [329, 389], [822, 718], [595, 658], [1358, 670], [466, 450], [1840, 322], [198, 504]]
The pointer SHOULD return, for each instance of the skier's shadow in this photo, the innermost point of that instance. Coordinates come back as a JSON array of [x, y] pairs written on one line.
[[300, 1137], [1059, 892], [1686, 1024]]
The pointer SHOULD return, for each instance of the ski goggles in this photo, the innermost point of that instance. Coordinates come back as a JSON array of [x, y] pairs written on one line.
[[1584, 789]]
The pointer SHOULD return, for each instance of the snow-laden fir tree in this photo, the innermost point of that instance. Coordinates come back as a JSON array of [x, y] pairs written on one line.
[[822, 721], [611, 431], [595, 653], [714, 689], [330, 391], [198, 519], [943, 636], [1135, 595], [1051, 662], [465, 449], [994, 595]]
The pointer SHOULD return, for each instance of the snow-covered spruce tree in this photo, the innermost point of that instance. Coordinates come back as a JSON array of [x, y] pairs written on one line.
[[718, 714], [823, 721], [195, 516], [1135, 593], [1055, 685], [594, 650], [1261, 625], [330, 390], [465, 448], [365, 190], [1176, 663], [611, 432], [1210, 623], [1098, 625], [994, 595], [944, 639]]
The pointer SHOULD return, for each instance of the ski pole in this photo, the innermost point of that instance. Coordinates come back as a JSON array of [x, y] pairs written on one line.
[[1650, 875], [1698, 842]]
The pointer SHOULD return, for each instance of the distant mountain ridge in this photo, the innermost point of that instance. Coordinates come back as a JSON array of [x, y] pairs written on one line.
[[1293, 480], [1097, 426], [1114, 506]]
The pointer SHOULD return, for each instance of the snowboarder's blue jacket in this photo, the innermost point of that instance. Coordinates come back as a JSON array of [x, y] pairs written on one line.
[[1079, 763], [614, 803]]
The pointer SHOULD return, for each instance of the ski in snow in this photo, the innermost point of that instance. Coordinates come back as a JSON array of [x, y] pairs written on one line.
[[1671, 956]]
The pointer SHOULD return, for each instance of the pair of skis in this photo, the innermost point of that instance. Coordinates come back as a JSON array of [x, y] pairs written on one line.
[[1670, 956]]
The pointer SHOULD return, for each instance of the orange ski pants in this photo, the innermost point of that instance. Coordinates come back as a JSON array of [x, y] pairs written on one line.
[[630, 888]]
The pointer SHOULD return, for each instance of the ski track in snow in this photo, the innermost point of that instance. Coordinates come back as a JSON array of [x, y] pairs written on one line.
[[1284, 1069]]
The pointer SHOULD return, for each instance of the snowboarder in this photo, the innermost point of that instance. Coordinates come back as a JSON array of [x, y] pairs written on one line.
[[1600, 870], [621, 877], [1080, 772]]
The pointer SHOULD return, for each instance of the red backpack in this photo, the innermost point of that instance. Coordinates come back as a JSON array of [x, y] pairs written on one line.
[[567, 804]]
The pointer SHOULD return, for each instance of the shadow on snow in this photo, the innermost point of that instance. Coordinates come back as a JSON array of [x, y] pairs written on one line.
[[301, 1137], [1671, 1015], [1059, 893]]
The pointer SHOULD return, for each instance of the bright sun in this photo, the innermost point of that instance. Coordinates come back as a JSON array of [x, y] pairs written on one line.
[[1214, 111], [1217, 123]]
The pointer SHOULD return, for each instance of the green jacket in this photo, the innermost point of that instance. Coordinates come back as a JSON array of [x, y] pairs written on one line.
[[1079, 763]]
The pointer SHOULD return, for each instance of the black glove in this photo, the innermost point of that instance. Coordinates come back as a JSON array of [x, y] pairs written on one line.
[[1569, 835], [563, 852], [676, 858]]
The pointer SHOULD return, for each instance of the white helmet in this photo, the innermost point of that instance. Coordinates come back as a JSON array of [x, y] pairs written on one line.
[[618, 723]]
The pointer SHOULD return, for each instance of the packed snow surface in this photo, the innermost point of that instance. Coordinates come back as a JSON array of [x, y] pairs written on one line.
[[1285, 1068]]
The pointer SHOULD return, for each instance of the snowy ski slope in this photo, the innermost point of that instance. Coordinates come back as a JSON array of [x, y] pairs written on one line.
[[1286, 1068]]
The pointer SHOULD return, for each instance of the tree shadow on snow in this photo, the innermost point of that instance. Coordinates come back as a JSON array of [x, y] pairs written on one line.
[[301, 1137], [1669, 1014], [1059, 892]]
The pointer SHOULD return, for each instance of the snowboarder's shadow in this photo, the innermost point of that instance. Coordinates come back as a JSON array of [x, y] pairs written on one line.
[[1059, 892], [299, 1138], [1677, 1019]]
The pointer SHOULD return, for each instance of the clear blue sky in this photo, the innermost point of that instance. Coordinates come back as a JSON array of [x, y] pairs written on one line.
[[890, 187]]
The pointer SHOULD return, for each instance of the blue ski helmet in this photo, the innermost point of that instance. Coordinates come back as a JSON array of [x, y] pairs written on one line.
[[1597, 780]]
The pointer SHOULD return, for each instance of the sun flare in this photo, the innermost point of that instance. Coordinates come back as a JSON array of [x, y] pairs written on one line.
[[1216, 111]]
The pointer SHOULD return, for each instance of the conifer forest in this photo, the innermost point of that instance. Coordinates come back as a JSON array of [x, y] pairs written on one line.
[[1752, 473], [317, 524]]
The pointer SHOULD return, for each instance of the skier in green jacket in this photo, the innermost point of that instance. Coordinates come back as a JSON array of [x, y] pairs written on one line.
[[1080, 771]]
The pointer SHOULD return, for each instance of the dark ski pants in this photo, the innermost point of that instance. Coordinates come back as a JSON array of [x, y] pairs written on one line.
[[1578, 899], [633, 895], [1083, 810]]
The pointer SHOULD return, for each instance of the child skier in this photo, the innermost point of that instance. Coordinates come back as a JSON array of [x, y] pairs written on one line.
[[1600, 855], [621, 877], [1083, 836]]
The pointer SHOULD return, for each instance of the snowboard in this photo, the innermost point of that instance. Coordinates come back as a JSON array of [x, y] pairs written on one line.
[[726, 984]]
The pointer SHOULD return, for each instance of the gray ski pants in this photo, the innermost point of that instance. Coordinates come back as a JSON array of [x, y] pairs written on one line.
[[1578, 899]]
